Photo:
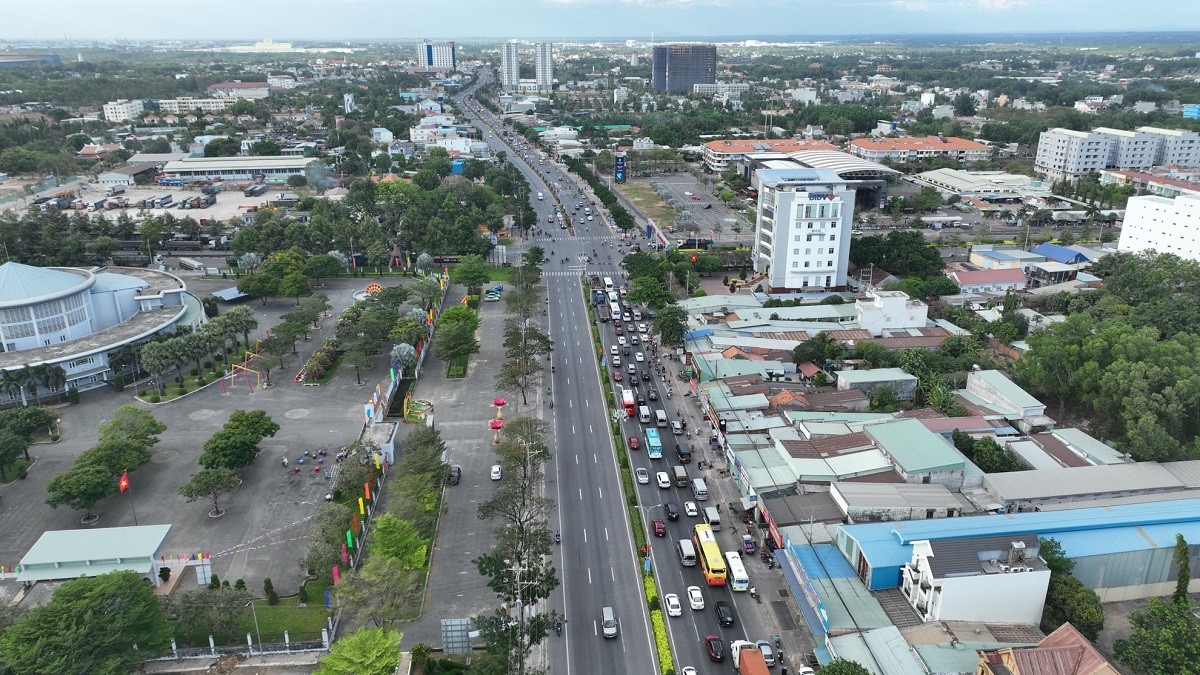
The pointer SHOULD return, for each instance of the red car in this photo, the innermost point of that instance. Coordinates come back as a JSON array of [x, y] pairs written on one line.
[[618, 330], [659, 527], [634, 444], [715, 647], [616, 376]]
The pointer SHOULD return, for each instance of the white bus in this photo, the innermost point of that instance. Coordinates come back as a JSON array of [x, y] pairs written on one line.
[[736, 572], [616, 311], [608, 284], [191, 264]]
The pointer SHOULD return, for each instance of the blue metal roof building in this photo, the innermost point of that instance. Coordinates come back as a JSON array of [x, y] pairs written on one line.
[[1121, 551], [1060, 254]]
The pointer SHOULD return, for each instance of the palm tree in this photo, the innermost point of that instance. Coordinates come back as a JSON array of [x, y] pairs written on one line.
[[11, 383], [30, 375], [242, 320], [54, 377], [156, 359]]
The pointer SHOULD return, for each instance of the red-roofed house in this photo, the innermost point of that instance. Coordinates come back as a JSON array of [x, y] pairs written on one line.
[[718, 155], [808, 370], [989, 281], [1064, 652], [903, 150]]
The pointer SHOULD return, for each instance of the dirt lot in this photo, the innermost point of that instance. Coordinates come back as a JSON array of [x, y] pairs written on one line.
[[648, 202]]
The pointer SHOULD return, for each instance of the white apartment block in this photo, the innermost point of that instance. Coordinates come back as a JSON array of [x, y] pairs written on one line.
[[721, 88], [1178, 146], [1131, 149], [510, 65], [1162, 224], [802, 229], [441, 56], [544, 66], [1065, 154], [123, 110], [183, 106]]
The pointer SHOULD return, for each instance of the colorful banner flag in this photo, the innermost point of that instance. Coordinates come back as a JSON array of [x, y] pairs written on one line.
[[123, 483]]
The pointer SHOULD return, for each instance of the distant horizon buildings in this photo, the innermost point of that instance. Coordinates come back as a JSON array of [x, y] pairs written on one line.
[[510, 67], [679, 66], [442, 57]]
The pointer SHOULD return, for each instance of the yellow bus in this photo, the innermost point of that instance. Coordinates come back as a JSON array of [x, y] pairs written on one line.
[[712, 563]]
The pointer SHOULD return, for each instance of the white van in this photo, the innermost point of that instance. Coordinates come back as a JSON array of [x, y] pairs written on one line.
[[660, 418], [644, 414], [713, 518], [608, 622], [687, 552], [700, 489], [540, 197]]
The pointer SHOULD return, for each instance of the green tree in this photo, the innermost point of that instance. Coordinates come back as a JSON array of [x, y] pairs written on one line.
[[216, 611], [235, 445], [1165, 639], [1183, 572], [670, 324], [358, 360], [105, 624], [12, 447], [211, 484], [649, 292], [964, 105], [264, 148], [366, 651], [884, 400], [382, 592], [222, 147], [294, 285], [844, 667], [81, 487], [471, 271], [129, 423], [455, 336], [321, 267], [393, 537]]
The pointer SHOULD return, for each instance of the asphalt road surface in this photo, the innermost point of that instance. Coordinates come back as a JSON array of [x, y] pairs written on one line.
[[597, 561]]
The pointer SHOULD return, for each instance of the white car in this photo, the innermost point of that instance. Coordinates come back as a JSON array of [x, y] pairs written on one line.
[[643, 476], [616, 361], [663, 479], [688, 670], [622, 341], [642, 328], [687, 194], [639, 357], [695, 598], [673, 607], [690, 509], [495, 472]]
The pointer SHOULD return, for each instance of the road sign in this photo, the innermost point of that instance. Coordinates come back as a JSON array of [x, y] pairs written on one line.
[[619, 168]]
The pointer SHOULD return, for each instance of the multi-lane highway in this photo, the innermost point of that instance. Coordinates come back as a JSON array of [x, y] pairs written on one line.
[[597, 561], [598, 564]]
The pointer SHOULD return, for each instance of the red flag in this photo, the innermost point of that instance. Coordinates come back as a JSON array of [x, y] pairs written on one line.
[[123, 482]]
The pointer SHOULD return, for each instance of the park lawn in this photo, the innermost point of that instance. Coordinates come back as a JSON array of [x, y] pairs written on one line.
[[301, 623], [171, 391], [648, 202], [500, 273]]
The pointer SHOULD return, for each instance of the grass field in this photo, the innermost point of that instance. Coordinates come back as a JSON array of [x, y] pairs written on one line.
[[649, 203]]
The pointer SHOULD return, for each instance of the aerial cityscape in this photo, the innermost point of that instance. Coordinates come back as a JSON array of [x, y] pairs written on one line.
[[669, 337]]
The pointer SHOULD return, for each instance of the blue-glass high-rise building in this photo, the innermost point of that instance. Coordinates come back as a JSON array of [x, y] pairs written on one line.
[[678, 66]]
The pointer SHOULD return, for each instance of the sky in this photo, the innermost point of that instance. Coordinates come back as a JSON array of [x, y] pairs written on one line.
[[573, 19]]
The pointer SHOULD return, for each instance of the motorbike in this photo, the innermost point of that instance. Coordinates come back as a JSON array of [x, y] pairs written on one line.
[[558, 628], [557, 538]]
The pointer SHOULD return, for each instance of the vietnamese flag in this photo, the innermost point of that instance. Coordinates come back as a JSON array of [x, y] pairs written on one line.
[[123, 482]]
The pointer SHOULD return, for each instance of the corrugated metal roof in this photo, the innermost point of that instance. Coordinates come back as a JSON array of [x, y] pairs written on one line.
[[896, 495], [956, 557], [22, 284], [914, 448], [1085, 480]]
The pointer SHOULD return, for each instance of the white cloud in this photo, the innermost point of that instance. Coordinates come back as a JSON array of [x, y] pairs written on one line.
[[912, 5], [1001, 5]]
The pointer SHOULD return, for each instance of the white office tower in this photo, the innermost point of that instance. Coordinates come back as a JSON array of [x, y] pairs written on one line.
[[510, 65], [802, 231], [1163, 225], [544, 66], [1065, 154], [440, 57]]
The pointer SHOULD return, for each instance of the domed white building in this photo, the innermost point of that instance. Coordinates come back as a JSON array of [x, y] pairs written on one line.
[[72, 317]]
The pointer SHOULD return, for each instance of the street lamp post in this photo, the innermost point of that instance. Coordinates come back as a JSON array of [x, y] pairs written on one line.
[[257, 632]]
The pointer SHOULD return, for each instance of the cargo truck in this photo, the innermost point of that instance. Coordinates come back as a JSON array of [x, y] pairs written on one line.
[[114, 190], [747, 658]]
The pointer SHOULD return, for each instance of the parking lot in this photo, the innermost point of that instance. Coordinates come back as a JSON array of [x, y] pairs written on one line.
[[229, 202]]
